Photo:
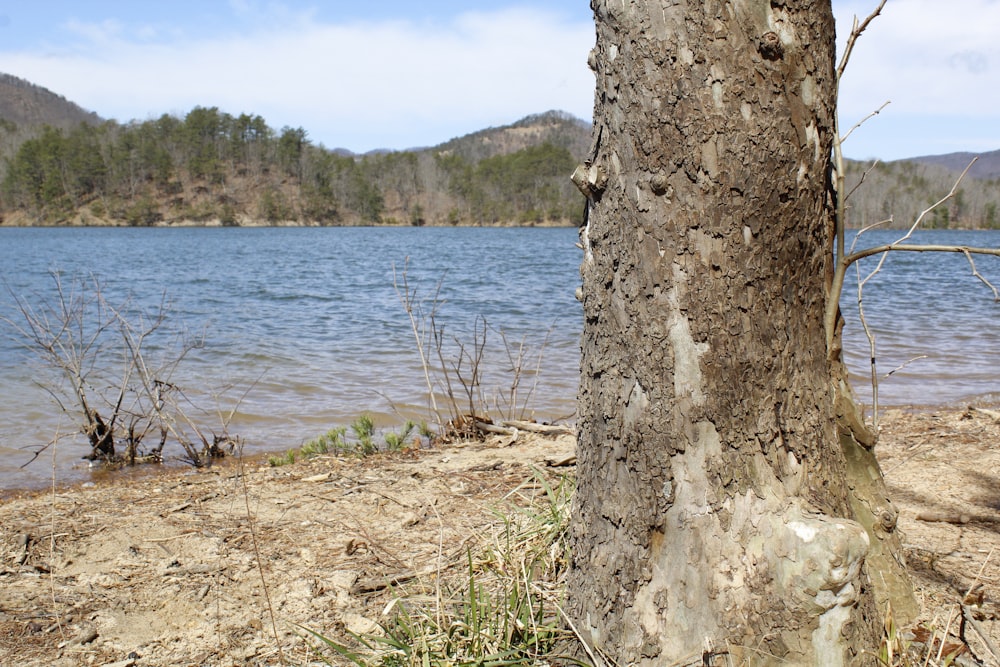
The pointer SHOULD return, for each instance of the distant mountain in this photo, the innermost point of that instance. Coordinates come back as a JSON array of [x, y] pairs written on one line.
[[559, 128], [30, 106], [987, 165], [554, 127]]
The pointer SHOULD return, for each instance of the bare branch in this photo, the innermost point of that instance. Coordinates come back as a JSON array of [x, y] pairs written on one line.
[[853, 38], [950, 195], [905, 364], [975, 272], [880, 223], [844, 260], [873, 358], [418, 324], [861, 181], [907, 247], [864, 120], [107, 382]]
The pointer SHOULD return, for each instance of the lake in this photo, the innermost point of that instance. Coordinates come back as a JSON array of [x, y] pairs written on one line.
[[304, 330]]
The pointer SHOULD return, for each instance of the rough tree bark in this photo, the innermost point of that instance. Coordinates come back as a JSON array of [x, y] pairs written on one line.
[[728, 507]]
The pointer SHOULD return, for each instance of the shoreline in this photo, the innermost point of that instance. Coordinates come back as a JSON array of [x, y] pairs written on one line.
[[113, 476], [171, 570]]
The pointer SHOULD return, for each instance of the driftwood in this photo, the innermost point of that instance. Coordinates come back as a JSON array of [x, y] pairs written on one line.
[[561, 461], [487, 427], [944, 517], [993, 414], [512, 426]]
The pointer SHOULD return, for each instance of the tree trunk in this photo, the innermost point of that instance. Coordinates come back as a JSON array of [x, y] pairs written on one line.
[[715, 515]]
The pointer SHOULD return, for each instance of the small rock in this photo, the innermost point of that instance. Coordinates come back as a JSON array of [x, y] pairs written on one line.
[[359, 625], [127, 662], [87, 635]]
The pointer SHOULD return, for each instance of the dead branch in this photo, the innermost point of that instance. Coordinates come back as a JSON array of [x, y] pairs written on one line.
[[976, 274], [906, 247], [462, 367], [992, 414], [862, 122], [873, 358], [905, 364], [944, 517], [544, 429], [861, 181], [856, 31], [845, 260], [983, 635]]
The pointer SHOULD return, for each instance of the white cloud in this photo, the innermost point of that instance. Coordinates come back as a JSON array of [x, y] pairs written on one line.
[[401, 83], [926, 56], [102, 33], [359, 85]]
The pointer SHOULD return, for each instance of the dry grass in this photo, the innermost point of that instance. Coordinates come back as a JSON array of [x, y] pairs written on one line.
[[392, 546]]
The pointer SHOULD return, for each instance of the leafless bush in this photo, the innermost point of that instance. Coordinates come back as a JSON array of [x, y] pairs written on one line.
[[456, 369], [111, 368]]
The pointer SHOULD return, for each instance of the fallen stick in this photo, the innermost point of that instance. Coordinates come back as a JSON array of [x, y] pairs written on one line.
[[989, 413], [944, 517], [971, 622], [546, 429], [493, 428]]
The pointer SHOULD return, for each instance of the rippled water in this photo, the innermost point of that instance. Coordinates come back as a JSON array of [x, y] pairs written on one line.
[[309, 317], [309, 321], [933, 321]]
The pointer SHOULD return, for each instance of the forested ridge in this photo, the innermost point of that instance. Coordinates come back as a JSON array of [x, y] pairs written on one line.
[[213, 167], [61, 165], [902, 189]]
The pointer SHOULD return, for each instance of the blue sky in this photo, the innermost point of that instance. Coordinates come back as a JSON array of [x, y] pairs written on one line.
[[392, 74]]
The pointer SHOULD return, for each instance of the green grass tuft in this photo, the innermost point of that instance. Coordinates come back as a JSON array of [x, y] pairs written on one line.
[[499, 605]]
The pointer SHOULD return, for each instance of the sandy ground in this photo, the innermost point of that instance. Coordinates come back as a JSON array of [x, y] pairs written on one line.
[[163, 570]]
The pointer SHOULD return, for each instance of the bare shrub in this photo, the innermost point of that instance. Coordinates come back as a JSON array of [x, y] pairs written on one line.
[[480, 389], [111, 368]]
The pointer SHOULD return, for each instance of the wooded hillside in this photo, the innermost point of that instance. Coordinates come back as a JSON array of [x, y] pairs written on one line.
[[900, 190], [210, 166], [60, 164]]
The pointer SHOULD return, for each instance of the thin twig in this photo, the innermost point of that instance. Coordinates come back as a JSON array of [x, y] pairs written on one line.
[[905, 364], [975, 272], [861, 180], [862, 122], [260, 562], [597, 662], [944, 636], [870, 335], [840, 218], [845, 260], [983, 635], [52, 546], [408, 298], [979, 575]]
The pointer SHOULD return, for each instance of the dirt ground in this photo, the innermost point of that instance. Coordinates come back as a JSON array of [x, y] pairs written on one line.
[[163, 569]]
